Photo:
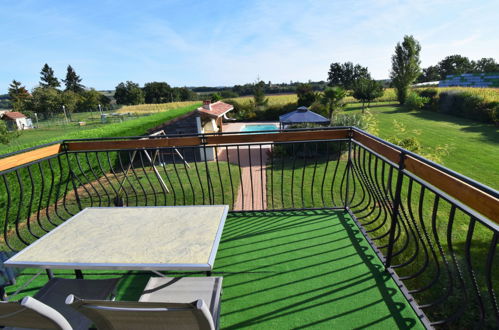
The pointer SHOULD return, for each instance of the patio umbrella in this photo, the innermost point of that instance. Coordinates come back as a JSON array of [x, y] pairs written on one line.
[[302, 115]]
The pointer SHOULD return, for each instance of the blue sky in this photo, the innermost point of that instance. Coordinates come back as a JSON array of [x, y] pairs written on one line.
[[194, 43]]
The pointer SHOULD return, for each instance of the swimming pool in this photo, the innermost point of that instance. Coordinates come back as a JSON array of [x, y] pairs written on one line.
[[258, 127]]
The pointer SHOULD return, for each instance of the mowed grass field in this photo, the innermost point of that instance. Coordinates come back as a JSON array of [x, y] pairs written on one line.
[[472, 147]]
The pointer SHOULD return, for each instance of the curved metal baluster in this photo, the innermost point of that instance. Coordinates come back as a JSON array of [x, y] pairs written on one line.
[[103, 171], [324, 176], [186, 169], [19, 208], [430, 245], [233, 200], [7, 209], [137, 178], [488, 272], [293, 178], [313, 175], [282, 179], [264, 194], [49, 197], [40, 199], [302, 190], [148, 179], [467, 248], [97, 178], [450, 282], [251, 179], [241, 184], [31, 197], [201, 185], [170, 182], [125, 179], [271, 177], [180, 183], [219, 177]]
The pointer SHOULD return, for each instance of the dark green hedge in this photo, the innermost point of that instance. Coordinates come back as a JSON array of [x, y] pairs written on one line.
[[461, 104]]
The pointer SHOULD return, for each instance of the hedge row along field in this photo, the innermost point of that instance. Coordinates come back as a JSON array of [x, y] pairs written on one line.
[[479, 104]]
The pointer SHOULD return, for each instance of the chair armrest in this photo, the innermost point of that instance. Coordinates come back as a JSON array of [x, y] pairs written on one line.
[[46, 311]]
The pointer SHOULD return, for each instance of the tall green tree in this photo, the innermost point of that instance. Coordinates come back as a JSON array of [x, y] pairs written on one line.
[[455, 65], [90, 100], [431, 73], [485, 65], [345, 74], [129, 93], [366, 90], [332, 98], [73, 81], [405, 66], [47, 77], [259, 95], [19, 96], [157, 92], [70, 100], [306, 95], [46, 101]]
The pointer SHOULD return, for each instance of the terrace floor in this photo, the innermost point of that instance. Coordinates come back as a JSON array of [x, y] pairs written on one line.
[[282, 270]]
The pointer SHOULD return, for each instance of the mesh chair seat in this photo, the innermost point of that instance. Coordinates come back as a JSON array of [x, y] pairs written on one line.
[[185, 290], [54, 294]]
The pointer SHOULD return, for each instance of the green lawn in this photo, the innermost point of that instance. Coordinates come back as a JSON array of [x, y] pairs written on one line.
[[287, 270], [473, 147]]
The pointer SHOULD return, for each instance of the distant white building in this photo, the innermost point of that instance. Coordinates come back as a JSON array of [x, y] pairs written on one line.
[[16, 120]]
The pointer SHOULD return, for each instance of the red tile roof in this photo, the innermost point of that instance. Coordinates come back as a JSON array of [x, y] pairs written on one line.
[[217, 109], [13, 115]]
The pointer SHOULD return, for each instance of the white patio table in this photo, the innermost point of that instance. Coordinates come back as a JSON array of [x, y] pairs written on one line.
[[184, 238]]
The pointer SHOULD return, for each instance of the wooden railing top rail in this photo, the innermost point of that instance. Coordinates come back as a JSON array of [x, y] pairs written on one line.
[[20, 159], [475, 198]]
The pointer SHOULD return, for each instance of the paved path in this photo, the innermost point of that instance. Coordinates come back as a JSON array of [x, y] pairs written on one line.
[[252, 190]]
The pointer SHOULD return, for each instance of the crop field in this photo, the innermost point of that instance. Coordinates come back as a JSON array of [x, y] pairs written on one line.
[[158, 107], [489, 94], [279, 99]]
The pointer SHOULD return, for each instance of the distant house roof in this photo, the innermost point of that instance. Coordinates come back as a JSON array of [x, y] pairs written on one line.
[[217, 109], [302, 115], [13, 115]]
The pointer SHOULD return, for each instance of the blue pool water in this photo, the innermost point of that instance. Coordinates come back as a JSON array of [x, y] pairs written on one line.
[[259, 127]]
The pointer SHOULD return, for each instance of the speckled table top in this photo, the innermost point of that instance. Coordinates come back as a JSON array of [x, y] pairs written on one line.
[[148, 238]]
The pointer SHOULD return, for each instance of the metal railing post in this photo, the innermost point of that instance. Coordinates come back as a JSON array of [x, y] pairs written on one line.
[[395, 210]]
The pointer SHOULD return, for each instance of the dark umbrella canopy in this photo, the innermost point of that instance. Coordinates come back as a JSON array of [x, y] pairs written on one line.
[[302, 115]]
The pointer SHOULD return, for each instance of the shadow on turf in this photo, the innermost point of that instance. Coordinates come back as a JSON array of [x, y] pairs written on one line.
[[376, 272]]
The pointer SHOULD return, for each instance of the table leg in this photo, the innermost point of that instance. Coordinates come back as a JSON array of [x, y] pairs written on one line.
[[78, 273]]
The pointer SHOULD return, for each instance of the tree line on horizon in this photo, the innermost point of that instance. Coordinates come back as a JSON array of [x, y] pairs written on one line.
[[48, 98]]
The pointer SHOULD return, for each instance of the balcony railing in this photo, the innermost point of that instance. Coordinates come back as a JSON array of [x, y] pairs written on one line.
[[435, 230]]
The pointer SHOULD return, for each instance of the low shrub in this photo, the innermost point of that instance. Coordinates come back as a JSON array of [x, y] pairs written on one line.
[[432, 98], [415, 102]]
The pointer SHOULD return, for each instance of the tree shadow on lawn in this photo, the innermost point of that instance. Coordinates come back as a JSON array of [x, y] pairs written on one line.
[[375, 105], [488, 131]]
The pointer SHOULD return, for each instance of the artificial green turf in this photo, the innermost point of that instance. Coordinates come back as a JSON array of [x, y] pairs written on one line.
[[308, 269], [282, 270]]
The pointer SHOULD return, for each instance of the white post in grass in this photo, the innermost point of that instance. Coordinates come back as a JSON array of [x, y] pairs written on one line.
[[65, 115]]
